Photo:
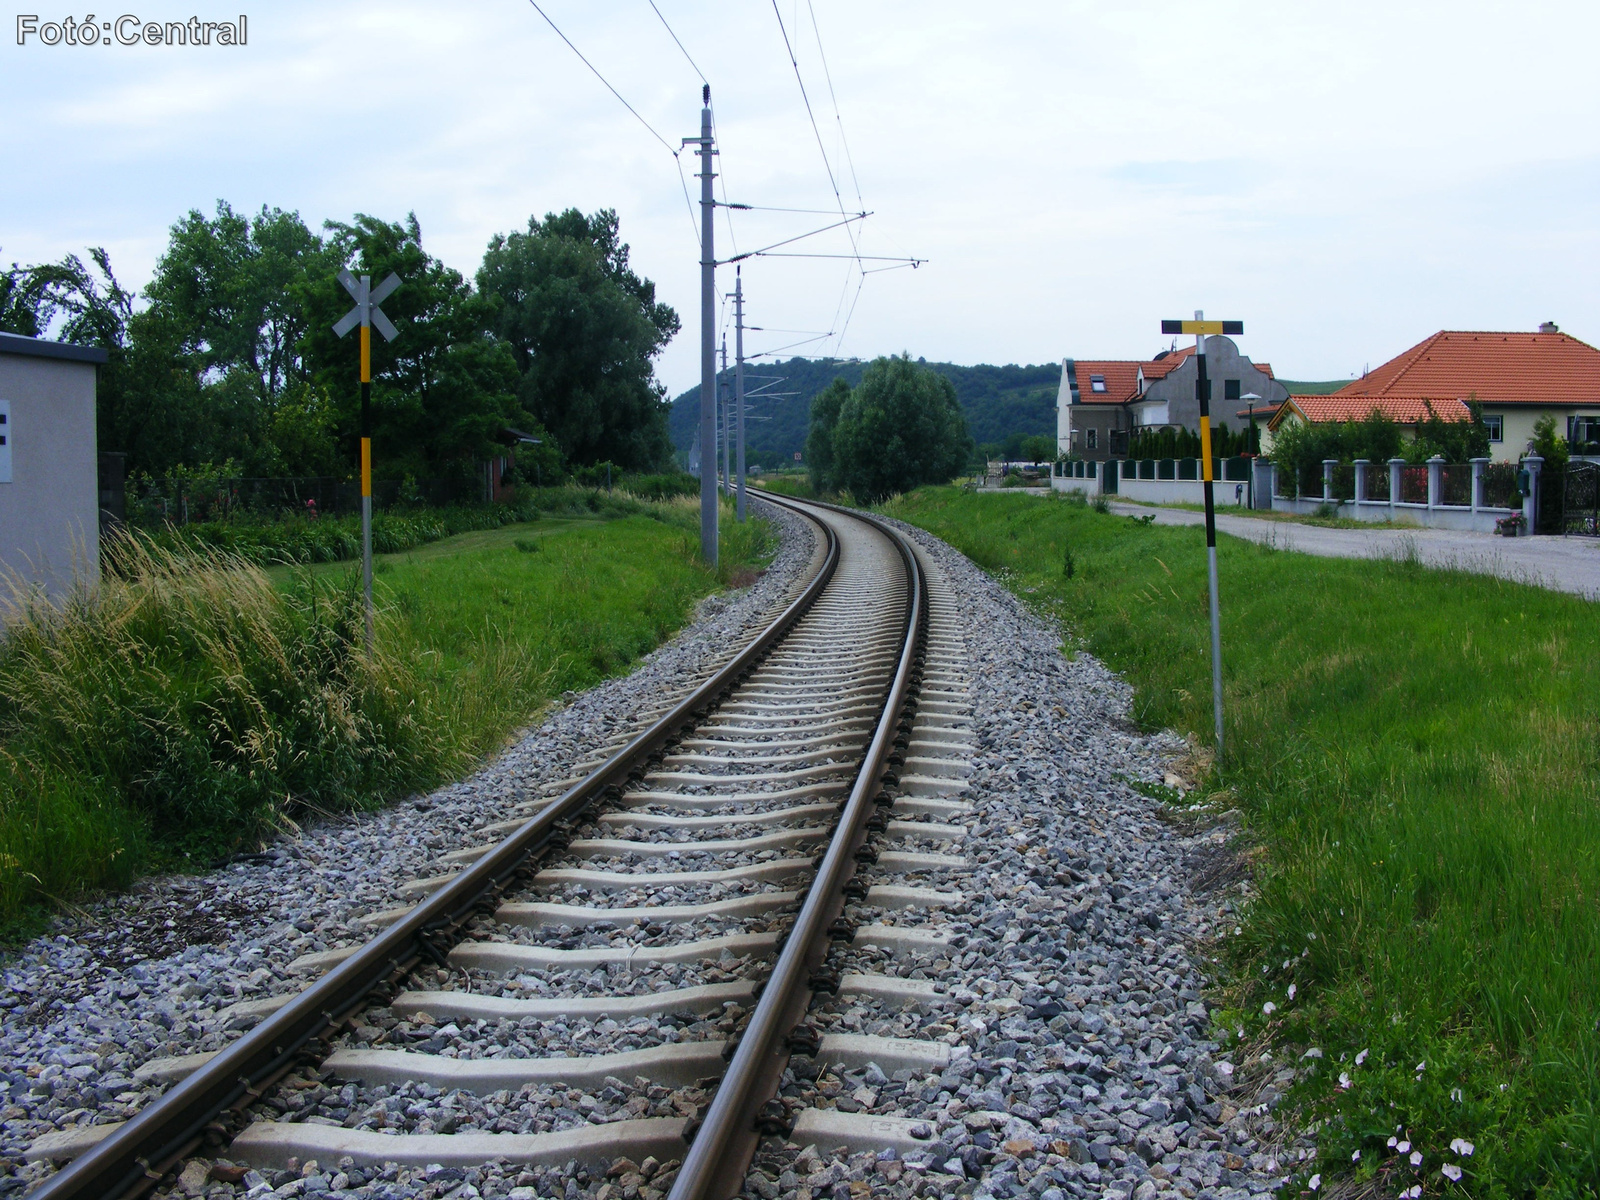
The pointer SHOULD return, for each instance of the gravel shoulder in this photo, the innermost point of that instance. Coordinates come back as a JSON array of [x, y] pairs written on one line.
[[1074, 1004], [149, 974]]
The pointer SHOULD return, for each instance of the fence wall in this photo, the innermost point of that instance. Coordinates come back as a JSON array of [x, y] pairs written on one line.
[[1469, 496], [1155, 480]]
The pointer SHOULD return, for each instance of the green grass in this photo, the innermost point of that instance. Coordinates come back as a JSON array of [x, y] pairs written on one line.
[[1288, 518], [195, 703], [1415, 751]]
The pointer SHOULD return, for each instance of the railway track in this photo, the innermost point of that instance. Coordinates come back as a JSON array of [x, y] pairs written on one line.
[[664, 922]]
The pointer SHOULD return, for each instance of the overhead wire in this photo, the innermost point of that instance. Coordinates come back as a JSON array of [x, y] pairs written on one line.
[[680, 44], [833, 182], [595, 71]]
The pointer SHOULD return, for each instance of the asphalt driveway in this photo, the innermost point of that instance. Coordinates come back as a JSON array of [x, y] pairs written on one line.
[[1563, 564]]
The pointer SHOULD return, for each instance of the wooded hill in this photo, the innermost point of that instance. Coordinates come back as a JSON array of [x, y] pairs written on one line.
[[998, 402]]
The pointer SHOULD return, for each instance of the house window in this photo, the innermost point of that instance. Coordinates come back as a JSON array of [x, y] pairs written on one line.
[[1230, 389], [1496, 427], [1091, 439], [1583, 432], [1097, 383]]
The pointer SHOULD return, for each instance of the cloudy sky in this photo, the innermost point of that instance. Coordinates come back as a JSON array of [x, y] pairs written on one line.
[[1345, 178]]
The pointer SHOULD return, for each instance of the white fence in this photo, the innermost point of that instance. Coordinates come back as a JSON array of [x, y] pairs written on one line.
[[1254, 482]]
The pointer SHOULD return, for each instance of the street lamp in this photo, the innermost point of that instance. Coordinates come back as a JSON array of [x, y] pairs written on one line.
[[1250, 399]]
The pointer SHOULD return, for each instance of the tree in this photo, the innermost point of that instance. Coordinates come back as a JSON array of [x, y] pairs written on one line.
[[584, 330], [219, 344], [825, 407], [901, 428]]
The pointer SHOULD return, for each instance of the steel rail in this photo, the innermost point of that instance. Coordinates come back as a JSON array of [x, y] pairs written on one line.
[[204, 1106], [726, 1139]]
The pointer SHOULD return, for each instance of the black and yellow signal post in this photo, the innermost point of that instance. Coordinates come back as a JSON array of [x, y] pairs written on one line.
[[1202, 329], [366, 314]]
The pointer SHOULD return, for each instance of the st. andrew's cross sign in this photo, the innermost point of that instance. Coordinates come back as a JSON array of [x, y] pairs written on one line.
[[366, 314], [1202, 329]]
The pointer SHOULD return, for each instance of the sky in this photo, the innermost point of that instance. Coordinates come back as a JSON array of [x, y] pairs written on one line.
[[1345, 179]]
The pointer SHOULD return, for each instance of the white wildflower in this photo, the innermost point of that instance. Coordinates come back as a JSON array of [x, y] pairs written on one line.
[[1269, 1008], [1355, 1156], [1361, 1058], [1314, 1052], [1315, 1182], [1451, 1172], [1421, 1066], [1462, 1147], [1392, 1141], [1416, 1158], [1402, 1147], [1344, 1079], [1455, 1094], [1292, 990]]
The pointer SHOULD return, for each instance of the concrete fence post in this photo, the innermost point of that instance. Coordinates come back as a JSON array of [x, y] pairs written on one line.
[[1328, 464], [1361, 479], [1435, 481], [1530, 503], [1478, 464], [1396, 465]]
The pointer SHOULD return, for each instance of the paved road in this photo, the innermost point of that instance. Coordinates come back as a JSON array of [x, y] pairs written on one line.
[[1564, 564]]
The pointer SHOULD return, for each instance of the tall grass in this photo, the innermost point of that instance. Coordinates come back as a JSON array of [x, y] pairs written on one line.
[[1417, 752], [186, 703], [193, 702]]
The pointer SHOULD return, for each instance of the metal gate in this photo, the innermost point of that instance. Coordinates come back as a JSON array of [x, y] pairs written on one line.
[[1580, 500]]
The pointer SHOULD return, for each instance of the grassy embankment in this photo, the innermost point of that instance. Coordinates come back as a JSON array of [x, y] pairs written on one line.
[[1415, 751], [197, 702]]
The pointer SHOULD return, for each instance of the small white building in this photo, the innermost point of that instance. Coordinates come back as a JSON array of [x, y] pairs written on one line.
[[49, 489]]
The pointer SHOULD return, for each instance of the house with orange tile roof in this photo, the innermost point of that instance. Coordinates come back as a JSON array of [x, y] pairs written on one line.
[[1102, 402], [1517, 378], [1405, 411]]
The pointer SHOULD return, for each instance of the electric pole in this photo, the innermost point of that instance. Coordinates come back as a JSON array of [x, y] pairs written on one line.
[[726, 421], [708, 339], [738, 375]]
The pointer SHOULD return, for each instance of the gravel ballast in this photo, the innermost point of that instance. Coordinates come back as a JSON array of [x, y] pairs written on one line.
[[148, 974], [1072, 1003]]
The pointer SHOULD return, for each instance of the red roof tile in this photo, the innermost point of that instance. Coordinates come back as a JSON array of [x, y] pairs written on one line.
[[1406, 410], [1122, 380], [1160, 368], [1498, 368]]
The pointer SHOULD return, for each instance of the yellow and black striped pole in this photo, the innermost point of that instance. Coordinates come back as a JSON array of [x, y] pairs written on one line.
[[365, 315], [366, 467], [1201, 328]]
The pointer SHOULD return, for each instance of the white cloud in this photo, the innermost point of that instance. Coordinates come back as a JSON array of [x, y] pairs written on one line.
[[1346, 179]]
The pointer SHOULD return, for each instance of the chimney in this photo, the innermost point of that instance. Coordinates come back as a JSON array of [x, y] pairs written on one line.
[[1549, 327]]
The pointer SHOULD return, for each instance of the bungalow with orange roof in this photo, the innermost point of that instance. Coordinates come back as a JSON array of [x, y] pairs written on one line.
[[1102, 402], [1517, 378], [1405, 411]]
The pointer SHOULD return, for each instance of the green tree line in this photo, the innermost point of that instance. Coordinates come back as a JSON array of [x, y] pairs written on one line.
[[899, 428], [229, 356]]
